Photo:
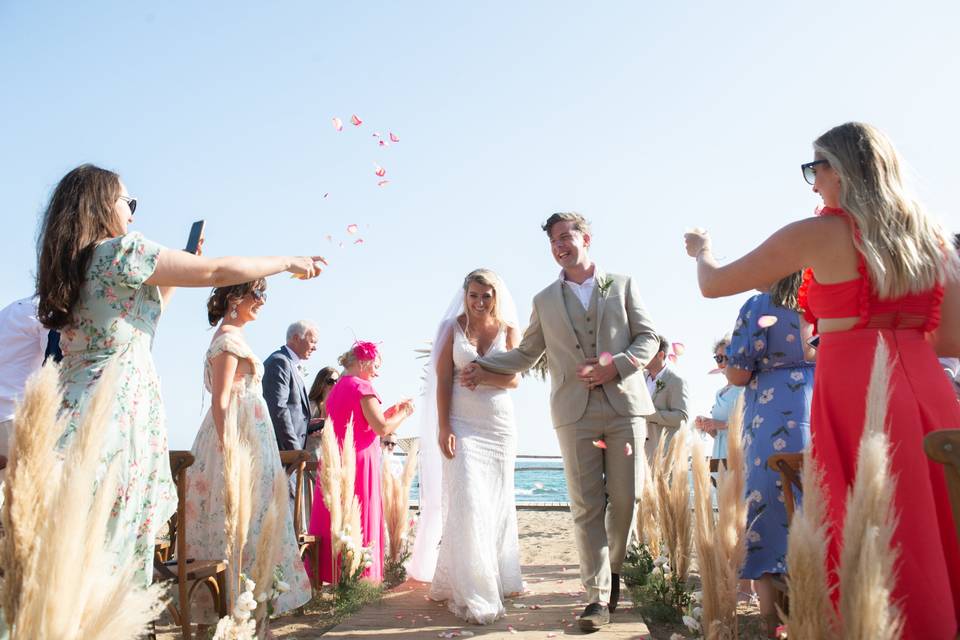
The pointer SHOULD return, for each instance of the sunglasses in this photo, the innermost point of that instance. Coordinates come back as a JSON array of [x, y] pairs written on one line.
[[331, 381], [258, 295], [810, 170], [719, 359], [131, 202], [390, 444]]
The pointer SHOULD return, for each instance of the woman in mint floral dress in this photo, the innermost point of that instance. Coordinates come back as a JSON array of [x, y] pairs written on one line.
[[233, 374], [104, 289], [771, 361]]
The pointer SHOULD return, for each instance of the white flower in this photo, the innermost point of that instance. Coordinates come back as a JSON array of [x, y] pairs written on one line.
[[758, 345], [249, 585], [756, 422], [691, 624], [742, 350], [755, 496], [739, 323], [779, 444], [796, 376], [780, 498], [791, 337], [697, 596], [791, 424], [753, 536], [754, 383], [765, 396], [657, 571], [367, 564], [756, 462]]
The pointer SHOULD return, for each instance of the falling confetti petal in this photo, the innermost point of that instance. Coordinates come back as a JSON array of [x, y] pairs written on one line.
[[679, 348], [352, 228], [765, 322], [337, 124], [329, 238], [600, 444], [672, 358], [380, 171], [628, 449], [384, 143], [383, 183], [325, 195], [358, 241], [511, 630], [605, 359], [394, 138], [355, 120], [376, 134]]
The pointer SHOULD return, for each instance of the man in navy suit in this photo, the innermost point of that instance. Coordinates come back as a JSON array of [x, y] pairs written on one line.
[[284, 386]]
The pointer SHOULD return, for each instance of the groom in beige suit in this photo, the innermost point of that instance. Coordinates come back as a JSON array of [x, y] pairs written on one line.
[[580, 316]]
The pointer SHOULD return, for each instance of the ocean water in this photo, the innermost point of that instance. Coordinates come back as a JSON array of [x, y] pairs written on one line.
[[535, 480]]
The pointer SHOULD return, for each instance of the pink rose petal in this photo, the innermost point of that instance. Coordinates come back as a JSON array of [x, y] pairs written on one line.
[[679, 348], [765, 322], [600, 444], [605, 359], [355, 120], [393, 137], [628, 449], [358, 241], [383, 183], [672, 357], [352, 228], [337, 123], [380, 171], [384, 143]]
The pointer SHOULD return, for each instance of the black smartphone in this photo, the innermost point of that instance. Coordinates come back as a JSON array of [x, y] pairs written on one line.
[[196, 234]]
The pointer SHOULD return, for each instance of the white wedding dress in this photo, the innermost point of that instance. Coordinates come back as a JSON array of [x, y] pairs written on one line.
[[479, 558]]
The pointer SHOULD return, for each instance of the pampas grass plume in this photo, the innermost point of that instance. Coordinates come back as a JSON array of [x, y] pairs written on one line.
[[268, 546], [673, 502]]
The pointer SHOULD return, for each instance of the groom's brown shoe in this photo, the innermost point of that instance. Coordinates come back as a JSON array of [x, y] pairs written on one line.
[[593, 617], [614, 591]]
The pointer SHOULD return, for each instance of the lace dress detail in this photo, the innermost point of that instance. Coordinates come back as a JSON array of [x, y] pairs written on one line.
[[204, 507], [479, 557]]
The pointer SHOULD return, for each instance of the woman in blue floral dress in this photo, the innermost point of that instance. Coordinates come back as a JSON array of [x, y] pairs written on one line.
[[768, 354], [104, 289]]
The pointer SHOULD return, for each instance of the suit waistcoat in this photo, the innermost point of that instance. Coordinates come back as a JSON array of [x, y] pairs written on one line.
[[584, 321]]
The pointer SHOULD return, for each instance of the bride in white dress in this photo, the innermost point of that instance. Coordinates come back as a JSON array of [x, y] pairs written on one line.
[[479, 553]]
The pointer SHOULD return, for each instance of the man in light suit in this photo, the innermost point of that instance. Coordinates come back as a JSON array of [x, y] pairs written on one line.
[[671, 399], [285, 389], [596, 336]]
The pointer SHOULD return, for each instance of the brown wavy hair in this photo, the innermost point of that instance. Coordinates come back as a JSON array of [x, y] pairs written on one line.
[[784, 292], [320, 387], [220, 297], [81, 213]]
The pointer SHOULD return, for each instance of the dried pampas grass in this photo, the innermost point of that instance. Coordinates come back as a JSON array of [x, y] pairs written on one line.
[[59, 579], [647, 530], [268, 546], [867, 558], [330, 481], [720, 542], [339, 474], [811, 615], [673, 501], [396, 503]]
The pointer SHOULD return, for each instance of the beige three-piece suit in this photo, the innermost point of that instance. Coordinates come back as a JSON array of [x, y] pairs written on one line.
[[604, 484]]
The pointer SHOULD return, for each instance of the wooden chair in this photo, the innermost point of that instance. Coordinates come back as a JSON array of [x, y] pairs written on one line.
[[189, 573], [297, 463], [789, 465], [944, 447]]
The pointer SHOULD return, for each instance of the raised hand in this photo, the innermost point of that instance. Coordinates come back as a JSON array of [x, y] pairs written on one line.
[[696, 241], [305, 267]]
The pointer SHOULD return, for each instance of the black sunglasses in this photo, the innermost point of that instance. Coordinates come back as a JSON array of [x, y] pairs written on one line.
[[388, 443], [331, 381], [719, 359], [258, 295], [131, 202], [810, 171]]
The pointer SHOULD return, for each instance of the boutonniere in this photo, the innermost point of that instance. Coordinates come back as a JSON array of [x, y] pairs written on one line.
[[659, 386], [302, 370], [604, 285]]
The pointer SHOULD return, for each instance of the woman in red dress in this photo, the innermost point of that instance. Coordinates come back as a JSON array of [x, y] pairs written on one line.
[[877, 267]]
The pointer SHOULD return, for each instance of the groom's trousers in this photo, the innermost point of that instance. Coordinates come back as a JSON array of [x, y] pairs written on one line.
[[604, 486]]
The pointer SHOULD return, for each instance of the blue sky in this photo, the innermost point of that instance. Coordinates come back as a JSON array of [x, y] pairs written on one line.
[[648, 118]]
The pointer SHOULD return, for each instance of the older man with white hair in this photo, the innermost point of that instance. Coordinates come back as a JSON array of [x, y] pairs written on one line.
[[285, 387]]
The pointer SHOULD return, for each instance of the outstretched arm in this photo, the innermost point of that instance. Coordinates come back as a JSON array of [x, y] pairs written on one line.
[[524, 356], [181, 269]]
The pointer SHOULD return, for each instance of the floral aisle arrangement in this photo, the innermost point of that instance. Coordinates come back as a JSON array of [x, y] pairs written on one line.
[[396, 513], [59, 579]]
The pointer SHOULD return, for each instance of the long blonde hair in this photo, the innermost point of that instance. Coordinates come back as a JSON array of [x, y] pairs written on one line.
[[906, 251], [486, 278]]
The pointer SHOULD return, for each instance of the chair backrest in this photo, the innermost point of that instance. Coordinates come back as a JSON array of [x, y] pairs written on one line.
[[789, 466], [943, 446], [179, 461], [295, 462]]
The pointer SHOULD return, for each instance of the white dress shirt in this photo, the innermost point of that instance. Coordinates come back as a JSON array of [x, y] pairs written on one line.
[[23, 341], [652, 382], [583, 291]]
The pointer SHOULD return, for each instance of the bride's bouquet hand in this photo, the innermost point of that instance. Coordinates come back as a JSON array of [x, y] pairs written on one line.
[[448, 442]]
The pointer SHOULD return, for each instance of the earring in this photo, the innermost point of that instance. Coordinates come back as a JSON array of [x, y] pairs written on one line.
[[233, 312]]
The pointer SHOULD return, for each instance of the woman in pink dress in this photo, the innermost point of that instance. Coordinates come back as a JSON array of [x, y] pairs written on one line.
[[354, 399]]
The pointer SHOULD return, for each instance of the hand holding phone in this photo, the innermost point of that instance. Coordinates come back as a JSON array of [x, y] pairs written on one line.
[[195, 238]]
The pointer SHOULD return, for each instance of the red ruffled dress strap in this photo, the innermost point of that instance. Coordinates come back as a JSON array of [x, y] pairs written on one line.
[[802, 294]]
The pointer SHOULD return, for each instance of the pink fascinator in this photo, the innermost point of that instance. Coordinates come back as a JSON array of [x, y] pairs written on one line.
[[365, 350]]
